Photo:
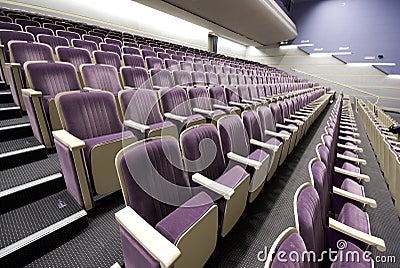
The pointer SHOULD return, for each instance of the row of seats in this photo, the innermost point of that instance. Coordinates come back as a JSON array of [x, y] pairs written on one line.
[[328, 209], [386, 146], [182, 192]]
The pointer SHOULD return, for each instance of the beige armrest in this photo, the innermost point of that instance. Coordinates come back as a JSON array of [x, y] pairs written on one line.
[[91, 89], [299, 117], [222, 107], [201, 111], [298, 122], [276, 134], [347, 127], [365, 200], [363, 177], [179, 118], [264, 145], [243, 105], [366, 238], [214, 186], [159, 247], [31, 93], [286, 127], [244, 160], [352, 148], [346, 132], [251, 102], [68, 139], [13, 64], [303, 113], [348, 124], [352, 159], [349, 139], [129, 88], [142, 128], [258, 100]]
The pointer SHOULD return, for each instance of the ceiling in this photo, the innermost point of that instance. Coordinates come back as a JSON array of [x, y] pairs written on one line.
[[250, 22]]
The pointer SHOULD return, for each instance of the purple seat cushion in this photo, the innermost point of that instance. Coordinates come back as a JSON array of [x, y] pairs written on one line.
[[258, 155], [293, 243], [160, 125], [273, 141], [353, 187], [180, 220], [350, 154], [351, 167], [354, 217], [344, 261], [193, 118]]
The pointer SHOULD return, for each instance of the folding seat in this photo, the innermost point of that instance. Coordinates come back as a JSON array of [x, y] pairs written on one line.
[[145, 47], [5, 19], [181, 53], [88, 144], [92, 38], [287, 129], [64, 23], [46, 80], [212, 79], [208, 68], [42, 20], [184, 224], [233, 98], [219, 101], [88, 45], [15, 16], [182, 78], [201, 104], [25, 22], [299, 124], [108, 58], [21, 52], [177, 109], [68, 35], [215, 178], [259, 140], [130, 44], [130, 50], [170, 52], [53, 41], [154, 63], [186, 66], [133, 60], [163, 56], [351, 225], [101, 77], [10, 26], [223, 79], [236, 149], [245, 97], [217, 69], [233, 80], [177, 57], [115, 42], [198, 67], [226, 70], [110, 48], [161, 79], [158, 50], [75, 56], [53, 27], [198, 79], [142, 114], [97, 34], [188, 59], [38, 30], [135, 77], [148, 53]]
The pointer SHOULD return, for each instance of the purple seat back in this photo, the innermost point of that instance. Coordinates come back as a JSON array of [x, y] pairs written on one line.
[[145, 47], [53, 27], [151, 172], [217, 95], [199, 145], [176, 57], [223, 79], [52, 77], [133, 61], [154, 63], [163, 55], [88, 45], [244, 92], [25, 22], [309, 220], [253, 91], [172, 65], [293, 244], [199, 98], [7, 36], [208, 68], [198, 67], [89, 114], [73, 55], [233, 135], [161, 78], [141, 106], [148, 53], [186, 66], [135, 77], [110, 48], [175, 100], [69, 35], [252, 124], [112, 41], [232, 78], [182, 78], [10, 26], [276, 112], [108, 58], [103, 77], [76, 30], [53, 41], [38, 30], [198, 79], [212, 79], [130, 50], [92, 38], [318, 174], [232, 94], [5, 19], [267, 120], [22, 52]]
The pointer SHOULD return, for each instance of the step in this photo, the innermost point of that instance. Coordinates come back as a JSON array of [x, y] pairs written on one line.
[[30, 231], [27, 183], [20, 151], [6, 96], [15, 128], [3, 85], [9, 110]]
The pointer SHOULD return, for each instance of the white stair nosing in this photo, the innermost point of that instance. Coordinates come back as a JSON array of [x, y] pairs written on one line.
[[9, 108], [21, 151], [40, 234], [30, 184], [15, 126]]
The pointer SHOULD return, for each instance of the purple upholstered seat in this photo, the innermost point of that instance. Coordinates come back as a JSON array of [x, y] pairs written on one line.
[[92, 38], [133, 60], [154, 63], [107, 58], [148, 53], [5, 19], [53, 27], [186, 66], [199, 145], [7, 36], [182, 78], [88, 45], [130, 50], [112, 41], [198, 78], [212, 79], [53, 41], [50, 79], [199, 99], [110, 48], [38, 30], [135, 77], [25, 22], [163, 55], [151, 172], [223, 79], [172, 65], [81, 32], [103, 77], [161, 78], [234, 139], [10, 26], [198, 67], [68, 35], [74, 55]]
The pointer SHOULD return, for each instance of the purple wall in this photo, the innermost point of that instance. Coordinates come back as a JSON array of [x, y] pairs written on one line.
[[368, 27]]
